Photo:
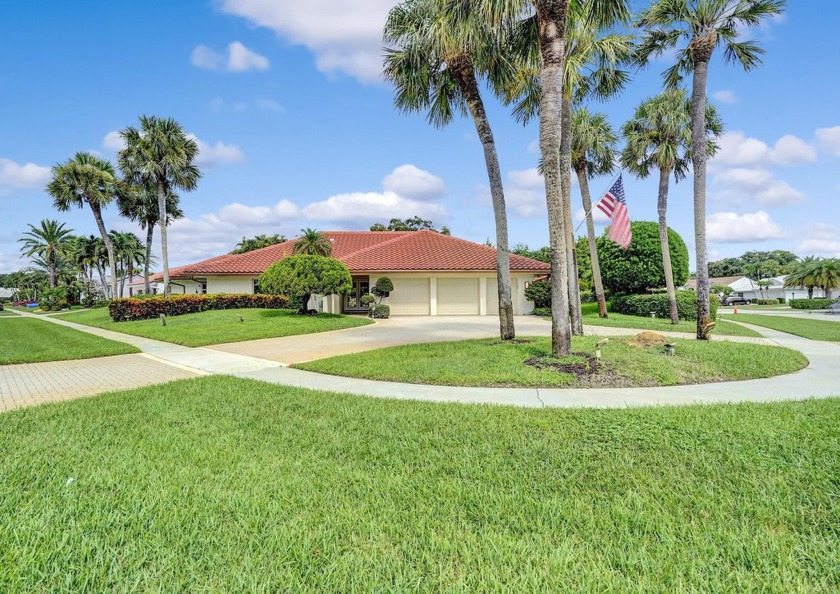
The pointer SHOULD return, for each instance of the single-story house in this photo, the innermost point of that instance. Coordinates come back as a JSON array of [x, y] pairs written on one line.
[[433, 274], [749, 289]]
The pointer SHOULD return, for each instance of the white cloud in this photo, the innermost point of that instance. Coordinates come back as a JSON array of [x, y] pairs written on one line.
[[729, 227], [725, 96], [829, 139], [736, 186], [524, 192], [820, 238], [238, 59], [360, 207], [113, 141], [598, 216], [344, 36], [268, 104], [737, 150], [11, 263], [18, 177], [412, 182], [213, 155]]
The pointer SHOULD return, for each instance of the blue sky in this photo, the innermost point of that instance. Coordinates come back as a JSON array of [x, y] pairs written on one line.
[[297, 130]]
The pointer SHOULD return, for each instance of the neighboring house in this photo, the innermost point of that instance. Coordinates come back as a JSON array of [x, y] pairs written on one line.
[[749, 289], [433, 274], [7, 293]]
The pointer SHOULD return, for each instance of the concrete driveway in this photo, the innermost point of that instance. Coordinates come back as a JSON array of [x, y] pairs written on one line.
[[406, 330]]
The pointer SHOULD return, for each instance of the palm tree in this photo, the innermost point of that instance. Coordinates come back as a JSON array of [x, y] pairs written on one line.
[[827, 275], [49, 241], [704, 25], [435, 61], [804, 275], [658, 137], [140, 204], [129, 251], [162, 156], [312, 243], [593, 154], [87, 179]]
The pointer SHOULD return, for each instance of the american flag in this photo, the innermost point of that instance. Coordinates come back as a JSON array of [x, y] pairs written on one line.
[[614, 206]]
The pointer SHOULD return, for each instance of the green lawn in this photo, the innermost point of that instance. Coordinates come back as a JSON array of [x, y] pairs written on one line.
[[813, 329], [26, 340], [215, 327], [6, 312], [227, 485], [488, 362], [617, 320]]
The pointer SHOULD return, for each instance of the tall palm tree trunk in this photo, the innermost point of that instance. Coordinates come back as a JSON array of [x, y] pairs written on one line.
[[551, 17], [150, 230], [699, 157], [109, 248], [585, 197], [566, 189], [164, 252], [53, 276], [662, 208], [462, 67]]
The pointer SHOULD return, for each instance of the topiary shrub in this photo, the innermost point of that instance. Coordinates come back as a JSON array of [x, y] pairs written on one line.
[[382, 288], [644, 305], [122, 310], [541, 311], [811, 303], [539, 292], [301, 276], [381, 311], [767, 302]]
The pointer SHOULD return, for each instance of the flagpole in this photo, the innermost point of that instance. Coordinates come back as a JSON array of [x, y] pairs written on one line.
[[586, 214]]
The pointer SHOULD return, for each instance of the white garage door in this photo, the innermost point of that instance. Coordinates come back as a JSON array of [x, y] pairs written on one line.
[[457, 296], [492, 297], [410, 296]]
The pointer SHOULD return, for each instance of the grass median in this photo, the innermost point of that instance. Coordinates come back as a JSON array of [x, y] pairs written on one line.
[[26, 340], [617, 320], [812, 329], [220, 326]]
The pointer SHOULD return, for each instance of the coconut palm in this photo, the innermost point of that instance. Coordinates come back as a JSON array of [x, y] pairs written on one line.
[[593, 154], [803, 275], [140, 204], [435, 62], [87, 179], [50, 240], [312, 243], [703, 26], [658, 138], [160, 155]]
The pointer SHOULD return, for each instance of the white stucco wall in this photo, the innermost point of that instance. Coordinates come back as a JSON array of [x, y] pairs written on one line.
[[230, 284]]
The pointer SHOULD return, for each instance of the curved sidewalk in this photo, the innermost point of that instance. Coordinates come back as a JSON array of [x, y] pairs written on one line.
[[820, 379]]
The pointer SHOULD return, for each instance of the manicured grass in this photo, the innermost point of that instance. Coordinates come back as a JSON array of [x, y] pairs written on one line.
[[6, 312], [489, 362], [617, 320], [227, 485], [215, 327], [813, 329], [26, 340]]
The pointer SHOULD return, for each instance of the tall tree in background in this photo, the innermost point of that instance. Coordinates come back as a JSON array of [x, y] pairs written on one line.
[[160, 154], [87, 179], [140, 204], [702, 25], [593, 154], [312, 243], [249, 244], [50, 240], [435, 58], [658, 137]]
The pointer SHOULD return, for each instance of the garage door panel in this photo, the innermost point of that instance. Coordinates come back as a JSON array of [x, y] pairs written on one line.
[[410, 296], [492, 297], [458, 296]]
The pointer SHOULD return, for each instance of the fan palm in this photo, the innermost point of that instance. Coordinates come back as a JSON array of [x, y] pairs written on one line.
[[87, 179], [160, 155], [312, 243], [140, 204], [435, 62], [130, 252], [49, 241], [702, 25], [658, 137], [593, 154]]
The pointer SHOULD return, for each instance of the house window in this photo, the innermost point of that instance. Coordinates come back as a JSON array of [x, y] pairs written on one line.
[[256, 286], [203, 288]]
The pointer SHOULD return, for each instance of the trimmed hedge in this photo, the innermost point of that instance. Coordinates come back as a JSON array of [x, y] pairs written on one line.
[[766, 302], [122, 310], [541, 311], [811, 303], [643, 305], [381, 311]]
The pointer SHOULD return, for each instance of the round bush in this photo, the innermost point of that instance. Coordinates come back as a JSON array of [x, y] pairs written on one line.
[[305, 275]]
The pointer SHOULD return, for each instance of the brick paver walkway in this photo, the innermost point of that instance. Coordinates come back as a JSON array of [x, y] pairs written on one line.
[[37, 383]]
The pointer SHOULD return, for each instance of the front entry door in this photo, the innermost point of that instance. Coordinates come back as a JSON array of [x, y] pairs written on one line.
[[353, 300]]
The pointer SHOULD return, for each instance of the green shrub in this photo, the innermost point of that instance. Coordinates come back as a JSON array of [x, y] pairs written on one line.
[[643, 305], [381, 311], [1, 306], [539, 292], [382, 288], [301, 276], [122, 310], [53, 299], [767, 302], [811, 303], [541, 311], [781, 299]]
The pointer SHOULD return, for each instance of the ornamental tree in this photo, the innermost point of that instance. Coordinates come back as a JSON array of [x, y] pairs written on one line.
[[302, 276], [383, 287]]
